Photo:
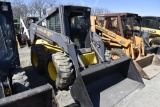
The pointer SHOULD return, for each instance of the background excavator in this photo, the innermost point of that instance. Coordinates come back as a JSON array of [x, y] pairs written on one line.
[[121, 33], [75, 60]]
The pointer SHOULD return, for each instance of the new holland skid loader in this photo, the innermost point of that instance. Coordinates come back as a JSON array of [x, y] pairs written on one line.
[[121, 34], [14, 85], [74, 59]]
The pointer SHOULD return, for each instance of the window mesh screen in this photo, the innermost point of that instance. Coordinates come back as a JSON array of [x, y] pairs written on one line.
[[54, 23]]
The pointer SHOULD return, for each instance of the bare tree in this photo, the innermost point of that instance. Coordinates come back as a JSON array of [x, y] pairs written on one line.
[[31, 11], [51, 3], [37, 7], [19, 8], [97, 10]]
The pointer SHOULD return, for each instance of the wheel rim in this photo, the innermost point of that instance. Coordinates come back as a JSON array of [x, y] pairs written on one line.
[[52, 71], [115, 56], [35, 59]]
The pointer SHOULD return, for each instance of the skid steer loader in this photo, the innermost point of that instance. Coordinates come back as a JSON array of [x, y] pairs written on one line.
[[74, 59], [22, 29], [149, 48], [151, 27], [121, 34], [14, 85], [152, 24]]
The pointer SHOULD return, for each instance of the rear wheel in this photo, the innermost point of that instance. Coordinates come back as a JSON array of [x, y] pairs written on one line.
[[19, 80], [117, 53], [24, 39], [155, 41], [59, 70], [38, 55]]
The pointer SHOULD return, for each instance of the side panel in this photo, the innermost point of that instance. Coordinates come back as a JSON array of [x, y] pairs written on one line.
[[9, 57]]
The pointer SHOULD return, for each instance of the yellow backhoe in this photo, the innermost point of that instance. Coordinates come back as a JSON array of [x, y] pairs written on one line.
[[121, 34]]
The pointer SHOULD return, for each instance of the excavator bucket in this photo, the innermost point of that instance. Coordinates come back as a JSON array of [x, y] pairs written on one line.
[[149, 66], [37, 97], [108, 84]]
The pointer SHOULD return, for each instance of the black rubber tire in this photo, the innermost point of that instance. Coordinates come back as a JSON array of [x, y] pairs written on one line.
[[108, 56], [24, 39], [155, 40], [118, 52], [49, 59], [40, 52], [65, 70], [19, 80]]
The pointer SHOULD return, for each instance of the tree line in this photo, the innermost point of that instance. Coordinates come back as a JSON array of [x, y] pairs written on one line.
[[36, 8]]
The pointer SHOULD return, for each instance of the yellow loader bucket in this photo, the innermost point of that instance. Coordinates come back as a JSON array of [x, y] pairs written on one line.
[[108, 85], [149, 66]]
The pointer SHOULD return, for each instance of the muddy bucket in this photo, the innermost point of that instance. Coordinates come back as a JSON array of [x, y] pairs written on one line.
[[149, 66], [108, 84]]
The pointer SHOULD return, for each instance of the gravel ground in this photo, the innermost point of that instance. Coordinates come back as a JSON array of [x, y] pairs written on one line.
[[149, 96], [34, 79]]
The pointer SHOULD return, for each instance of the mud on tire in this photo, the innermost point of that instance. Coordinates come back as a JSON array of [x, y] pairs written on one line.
[[41, 54], [108, 55], [65, 70], [24, 38], [19, 80]]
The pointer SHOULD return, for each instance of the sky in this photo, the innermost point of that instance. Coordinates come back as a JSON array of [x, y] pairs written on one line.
[[141, 7]]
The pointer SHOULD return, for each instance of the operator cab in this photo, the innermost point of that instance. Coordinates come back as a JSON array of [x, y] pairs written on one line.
[[151, 22], [79, 26], [75, 24], [131, 24]]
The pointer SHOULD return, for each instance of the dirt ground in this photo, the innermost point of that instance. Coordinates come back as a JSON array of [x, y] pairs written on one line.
[[34, 79], [149, 96]]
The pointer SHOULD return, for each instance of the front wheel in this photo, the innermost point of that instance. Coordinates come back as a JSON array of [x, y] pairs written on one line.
[[59, 70], [117, 53], [24, 39], [155, 41]]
